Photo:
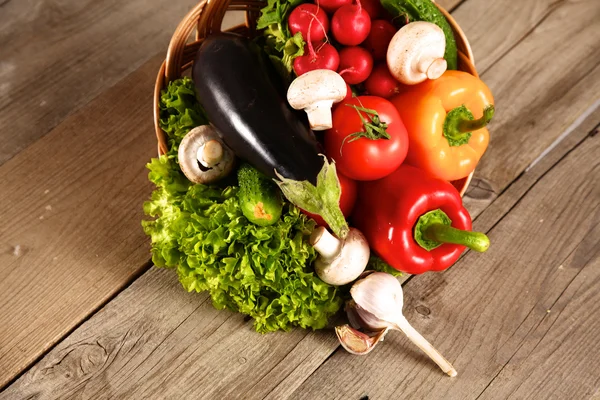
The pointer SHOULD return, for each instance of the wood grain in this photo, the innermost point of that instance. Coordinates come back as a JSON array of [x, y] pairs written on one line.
[[57, 55], [541, 86], [155, 365], [71, 203], [180, 359], [71, 209], [564, 343], [502, 316]]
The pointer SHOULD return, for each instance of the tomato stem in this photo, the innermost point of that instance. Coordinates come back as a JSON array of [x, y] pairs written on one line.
[[373, 129]]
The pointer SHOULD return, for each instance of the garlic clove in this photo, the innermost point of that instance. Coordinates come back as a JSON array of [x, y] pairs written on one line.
[[377, 305], [379, 294], [356, 342]]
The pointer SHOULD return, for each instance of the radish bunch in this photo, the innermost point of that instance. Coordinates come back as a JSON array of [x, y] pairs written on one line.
[[350, 37]]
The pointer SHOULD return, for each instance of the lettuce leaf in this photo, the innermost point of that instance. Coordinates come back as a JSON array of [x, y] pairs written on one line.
[[264, 272], [180, 111], [199, 230], [277, 41]]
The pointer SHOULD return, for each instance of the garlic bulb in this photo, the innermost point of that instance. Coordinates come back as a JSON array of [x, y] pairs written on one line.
[[376, 305]]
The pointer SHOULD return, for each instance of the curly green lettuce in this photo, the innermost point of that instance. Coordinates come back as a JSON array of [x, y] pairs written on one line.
[[180, 111], [263, 272]]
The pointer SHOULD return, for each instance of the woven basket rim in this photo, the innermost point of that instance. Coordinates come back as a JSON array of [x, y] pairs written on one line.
[[206, 18]]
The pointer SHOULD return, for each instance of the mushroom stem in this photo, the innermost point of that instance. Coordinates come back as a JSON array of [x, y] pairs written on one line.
[[422, 343], [340, 261], [327, 245], [432, 67], [210, 153], [319, 115], [315, 92]]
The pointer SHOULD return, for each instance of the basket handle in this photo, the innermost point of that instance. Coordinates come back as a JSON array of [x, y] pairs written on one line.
[[206, 17], [179, 40]]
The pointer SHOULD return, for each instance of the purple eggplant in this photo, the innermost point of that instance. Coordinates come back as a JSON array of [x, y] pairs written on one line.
[[234, 84]]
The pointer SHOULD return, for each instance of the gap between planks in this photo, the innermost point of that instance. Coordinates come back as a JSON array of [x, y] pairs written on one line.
[[516, 191], [449, 4], [471, 321]]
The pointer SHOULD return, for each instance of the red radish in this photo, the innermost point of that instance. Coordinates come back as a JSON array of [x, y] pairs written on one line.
[[379, 38], [381, 82], [317, 56], [309, 20], [350, 24], [373, 8], [331, 5], [356, 64]]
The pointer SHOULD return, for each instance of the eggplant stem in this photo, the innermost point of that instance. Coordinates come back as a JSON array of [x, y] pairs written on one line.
[[425, 346]]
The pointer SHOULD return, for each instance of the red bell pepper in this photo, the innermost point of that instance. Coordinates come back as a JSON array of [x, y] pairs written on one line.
[[414, 221]]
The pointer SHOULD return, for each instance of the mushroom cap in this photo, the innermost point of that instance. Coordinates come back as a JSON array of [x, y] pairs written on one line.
[[349, 263], [188, 156], [416, 53], [314, 86]]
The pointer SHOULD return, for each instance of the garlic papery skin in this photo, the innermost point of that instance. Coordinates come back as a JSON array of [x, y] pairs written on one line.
[[370, 321], [378, 302], [356, 342], [379, 294]]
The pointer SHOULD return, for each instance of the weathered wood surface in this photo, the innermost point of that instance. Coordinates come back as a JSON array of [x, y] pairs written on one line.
[[57, 55], [542, 85], [159, 349], [521, 322], [71, 202], [71, 211]]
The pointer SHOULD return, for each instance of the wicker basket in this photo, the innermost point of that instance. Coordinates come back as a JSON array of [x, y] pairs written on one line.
[[206, 18]]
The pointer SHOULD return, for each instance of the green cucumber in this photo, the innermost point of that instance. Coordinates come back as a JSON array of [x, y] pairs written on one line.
[[426, 10], [259, 197]]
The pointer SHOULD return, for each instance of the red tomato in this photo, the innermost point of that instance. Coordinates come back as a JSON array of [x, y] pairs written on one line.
[[347, 199], [366, 159]]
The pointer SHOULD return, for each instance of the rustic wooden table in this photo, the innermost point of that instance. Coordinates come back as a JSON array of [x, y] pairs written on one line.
[[83, 313]]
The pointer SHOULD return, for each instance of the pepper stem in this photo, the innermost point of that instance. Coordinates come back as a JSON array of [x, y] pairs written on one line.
[[434, 229], [441, 233], [459, 124]]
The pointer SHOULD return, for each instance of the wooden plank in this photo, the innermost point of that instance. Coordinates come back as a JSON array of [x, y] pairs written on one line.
[[133, 359], [500, 315], [286, 372], [557, 346], [57, 55], [482, 22], [541, 86], [71, 207], [71, 235], [155, 338]]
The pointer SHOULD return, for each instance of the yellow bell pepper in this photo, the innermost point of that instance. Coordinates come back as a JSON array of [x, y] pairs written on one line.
[[446, 121]]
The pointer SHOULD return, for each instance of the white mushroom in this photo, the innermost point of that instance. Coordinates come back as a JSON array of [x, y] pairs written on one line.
[[315, 92], [340, 262], [203, 158], [416, 53]]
